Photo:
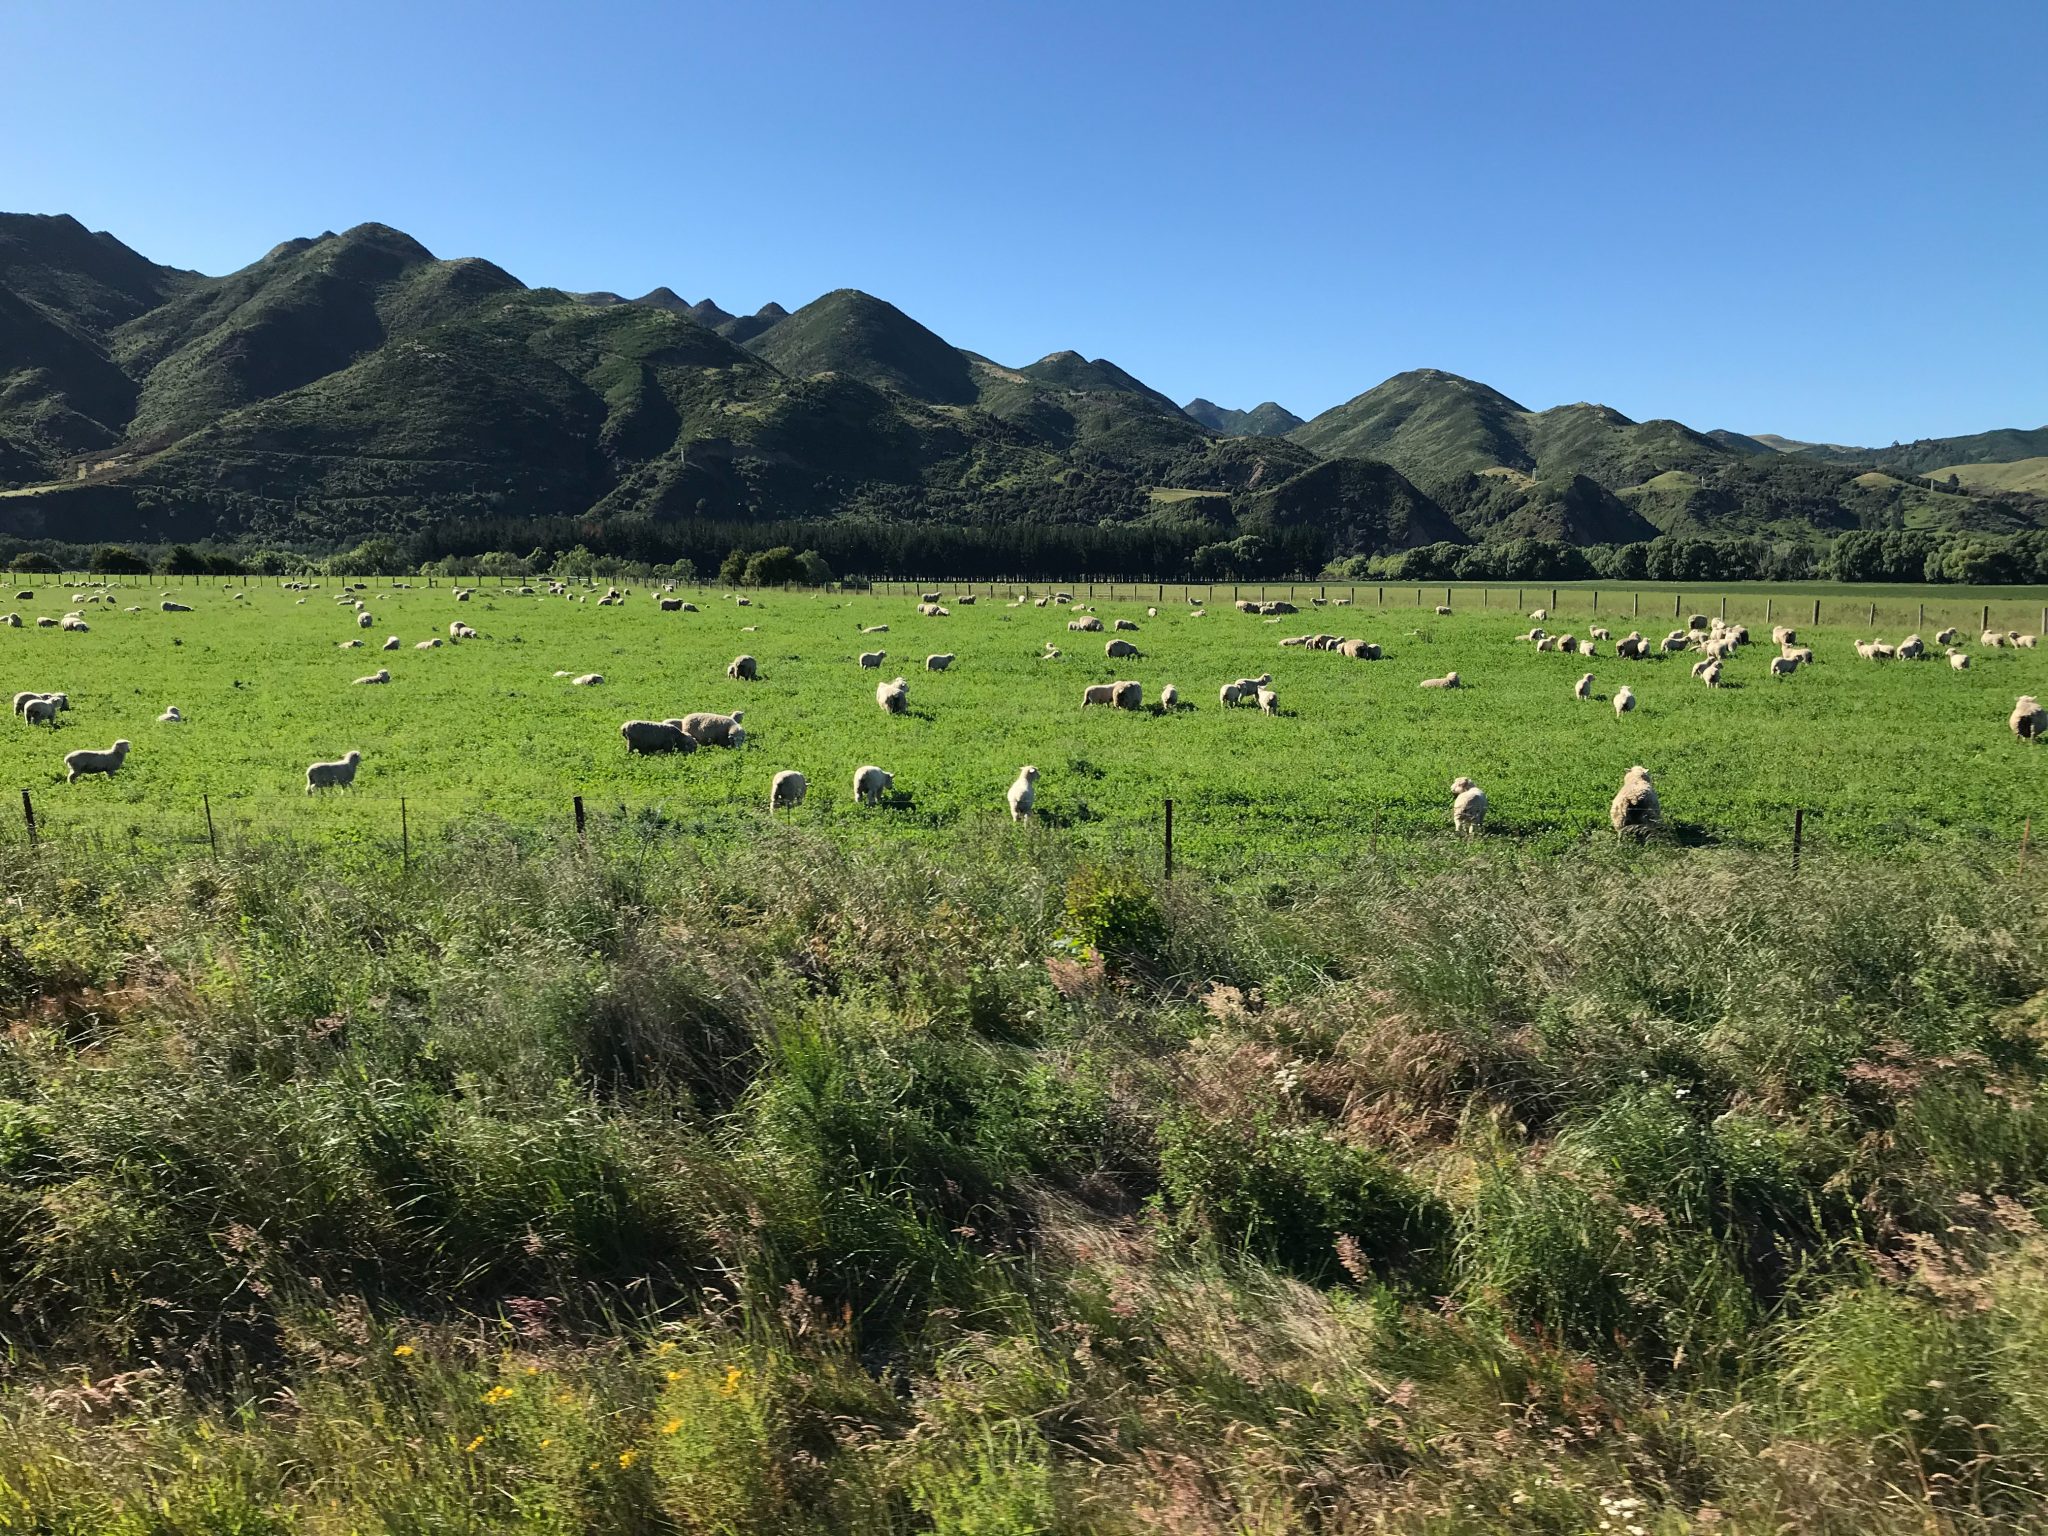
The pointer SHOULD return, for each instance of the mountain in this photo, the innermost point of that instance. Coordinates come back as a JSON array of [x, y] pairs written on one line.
[[1931, 453], [1266, 420], [863, 337]]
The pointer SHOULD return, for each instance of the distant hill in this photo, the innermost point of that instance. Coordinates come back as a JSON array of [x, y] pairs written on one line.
[[2028, 475], [853, 333], [1266, 420]]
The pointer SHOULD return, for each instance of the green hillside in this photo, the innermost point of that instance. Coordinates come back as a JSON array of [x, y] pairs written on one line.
[[1264, 420], [865, 338], [2028, 475]]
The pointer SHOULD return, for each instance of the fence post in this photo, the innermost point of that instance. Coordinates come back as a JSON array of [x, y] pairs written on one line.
[[1677, 604], [1169, 838], [2026, 837], [212, 841], [1724, 610], [1987, 619], [578, 802], [1873, 615], [1816, 611], [404, 838], [1767, 610], [1637, 610], [1553, 597], [1798, 837], [28, 814]]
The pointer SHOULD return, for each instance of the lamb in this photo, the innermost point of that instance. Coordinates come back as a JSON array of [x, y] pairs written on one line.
[[1084, 626], [656, 736], [1632, 646], [41, 711], [1229, 694], [1700, 666], [1539, 614], [1583, 688], [714, 730], [381, 675], [1468, 808], [1448, 680], [1782, 635], [1677, 640], [1247, 686], [1993, 638], [1784, 666], [78, 764], [1169, 699], [1117, 649], [741, 669], [2028, 642], [670, 604], [1023, 793], [2028, 720], [1269, 702], [1803, 654], [1125, 624], [1624, 700], [1635, 811], [938, 662], [587, 680], [170, 716], [1945, 637], [1099, 693], [1912, 648], [1712, 675], [870, 784], [1600, 632], [873, 658], [893, 697], [786, 791], [1959, 661], [337, 775]]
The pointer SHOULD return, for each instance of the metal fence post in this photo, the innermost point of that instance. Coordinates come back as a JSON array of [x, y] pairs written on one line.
[[28, 814], [578, 803], [1169, 837], [212, 841], [1798, 837]]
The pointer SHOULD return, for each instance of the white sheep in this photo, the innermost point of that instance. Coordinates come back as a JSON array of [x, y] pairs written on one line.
[[893, 697], [1601, 632], [1959, 661], [75, 623], [1127, 695], [78, 764], [938, 662], [1912, 648], [1169, 698], [786, 791], [1448, 680], [1635, 811], [871, 783], [21, 700], [1085, 625], [873, 658], [10, 621], [1125, 624], [1994, 638], [1624, 699], [670, 604], [1785, 635], [1116, 650], [2028, 719], [1784, 666], [1023, 793], [1711, 676], [1099, 693], [41, 711], [1583, 688], [364, 621], [742, 669], [714, 730], [1443, 611], [1229, 694], [381, 675], [587, 680], [1269, 702], [657, 736], [1468, 807], [435, 644], [171, 607]]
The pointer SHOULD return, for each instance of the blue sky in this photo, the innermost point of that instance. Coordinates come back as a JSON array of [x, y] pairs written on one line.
[[1827, 220]]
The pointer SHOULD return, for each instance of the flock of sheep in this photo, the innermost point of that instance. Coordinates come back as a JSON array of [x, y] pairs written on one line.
[[1634, 811]]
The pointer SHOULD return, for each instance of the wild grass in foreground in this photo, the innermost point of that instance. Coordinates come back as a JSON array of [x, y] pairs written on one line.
[[813, 1189]]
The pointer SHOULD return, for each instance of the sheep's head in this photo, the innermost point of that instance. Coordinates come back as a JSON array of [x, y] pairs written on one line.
[[1460, 784], [1028, 773], [352, 758]]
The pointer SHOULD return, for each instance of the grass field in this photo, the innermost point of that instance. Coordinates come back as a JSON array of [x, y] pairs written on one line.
[[1884, 755]]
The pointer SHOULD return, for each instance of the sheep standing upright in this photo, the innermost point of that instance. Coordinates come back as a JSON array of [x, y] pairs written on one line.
[[657, 736], [1583, 688], [78, 764], [1023, 793], [893, 697], [336, 775], [871, 783], [1169, 699], [786, 791], [873, 659], [2028, 720], [1624, 699], [1635, 811], [1468, 807], [1269, 702]]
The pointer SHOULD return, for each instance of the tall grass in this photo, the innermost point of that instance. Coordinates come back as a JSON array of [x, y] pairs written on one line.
[[814, 1187]]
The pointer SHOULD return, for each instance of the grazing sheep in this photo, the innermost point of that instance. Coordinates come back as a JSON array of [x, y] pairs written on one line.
[[1125, 624], [392, 643], [1468, 808], [1539, 614], [1229, 694], [1991, 637], [1084, 626], [1117, 649], [2028, 719], [1677, 640], [1448, 680], [1023, 793], [1547, 643], [1945, 637], [381, 675], [364, 621], [1959, 661], [459, 631], [1127, 695], [1696, 621], [1583, 688], [938, 662], [1784, 666], [965, 602], [21, 700], [1269, 702], [171, 607], [1632, 646], [78, 764], [870, 784], [351, 645], [714, 730], [1624, 699], [657, 736], [2027, 642], [1635, 811], [1600, 632], [10, 621], [1803, 654], [170, 716], [1712, 675], [1569, 644], [873, 658], [670, 604], [1099, 693], [587, 680], [1169, 699], [893, 697], [741, 669], [786, 791], [44, 621], [1784, 635], [1912, 648], [1443, 611], [435, 644], [73, 622], [41, 711]]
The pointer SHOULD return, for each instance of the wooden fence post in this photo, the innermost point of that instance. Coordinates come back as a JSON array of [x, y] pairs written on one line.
[[1816, 610], [28, 814], [1798, 837], [1637, 611], [1767, 610], [212, 842], [578, 801], [1987, 619]]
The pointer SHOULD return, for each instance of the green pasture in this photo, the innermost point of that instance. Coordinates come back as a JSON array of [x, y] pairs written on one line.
[[1881, 755]]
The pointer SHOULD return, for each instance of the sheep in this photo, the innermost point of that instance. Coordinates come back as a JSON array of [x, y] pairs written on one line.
[[1696, 621], [966, 601], [1038, 602], [381, 675], [1443, 610], [10, 621], [1099, 693], [588, 680], [1023, 793], [714, 730], [656, 736], [1712, 675], [1700, 666], [1959, 661], [41, 711], [893, 697], [2028, 642], [1632, 646], [931, 597], [1945, 637], [1269, 702], [1088, 625], [171, 607], [1117, 649], [1784, 635], [1153, 613], [1803, 654], [1547, 643], [78, 764], [742, 669], [1991, 637], [2028, 719], [170, 716], [670, 604], [1590, 648], [1052, 652], [1448, 680], [1125, 624], [1229, 694], [870, 784], [938, 662], [1569, 644], [875, 629], [1583, 688], [1468, 807], [435, 644], [349, 645], [75, 624], [460, 631], [1635, 811], [786, 791], [1784, 666], [21, 700], [44, 621], [1601, 632], [870, 659], [1127, 695], [364, 621], [1624, 700], [1677, 640], [1169, 699], [1912, 648], [1060, 597], [1539, 614], [934, 611], [1359, 650]]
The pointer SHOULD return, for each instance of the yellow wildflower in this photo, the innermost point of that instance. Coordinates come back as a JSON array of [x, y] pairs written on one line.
[[404, 1352], [732, 1380], [671, 1426], [675, 1375], [470, 1448], [499, 1395], [627, 1458], [665, 1347]]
